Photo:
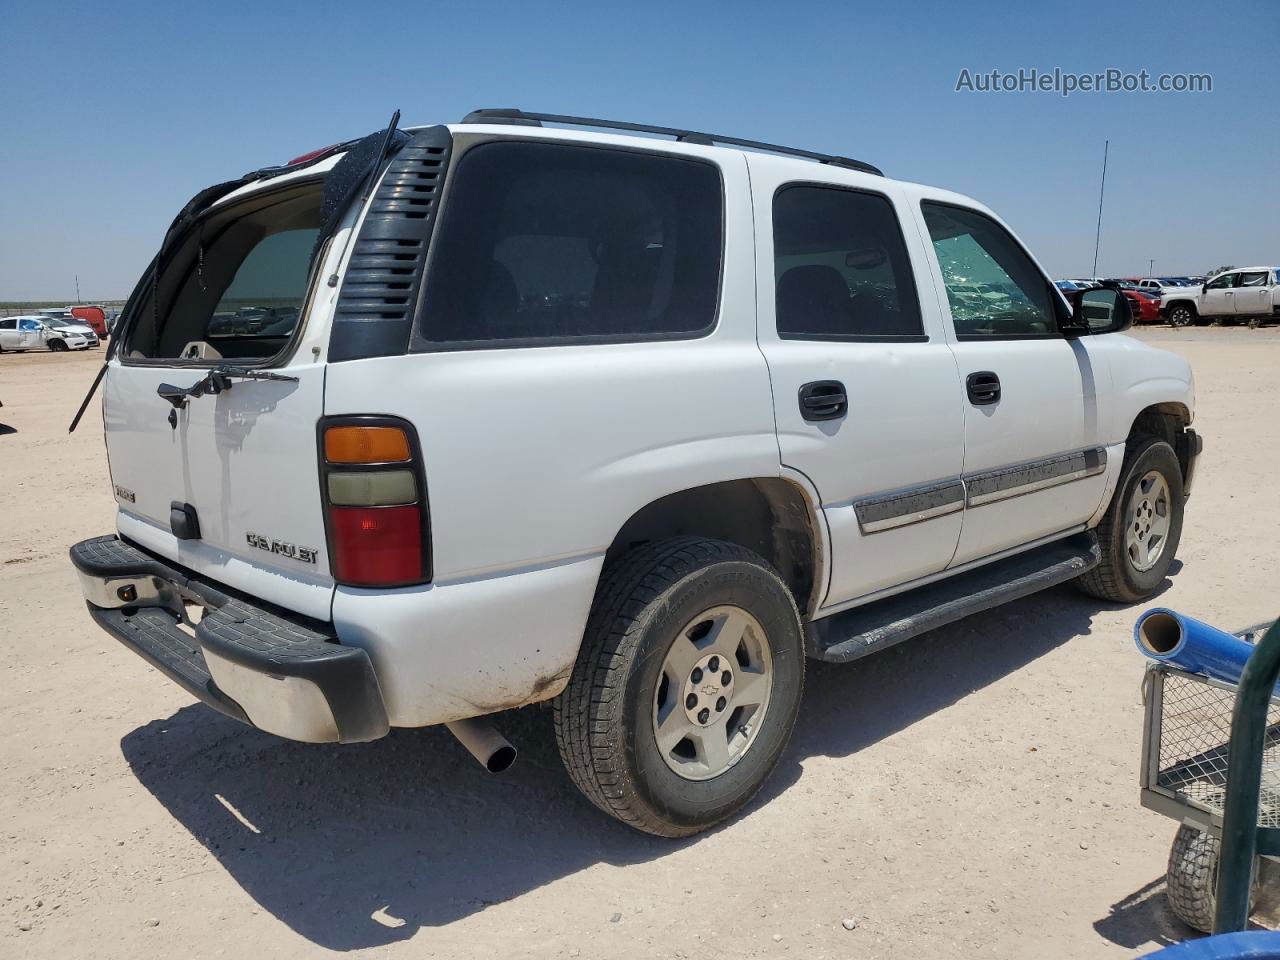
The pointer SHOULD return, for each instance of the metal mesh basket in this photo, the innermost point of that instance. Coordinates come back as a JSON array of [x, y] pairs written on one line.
[[1188, 731]]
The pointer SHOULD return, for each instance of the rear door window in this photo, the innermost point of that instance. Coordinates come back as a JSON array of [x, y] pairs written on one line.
[[543, 243], [841, 268]]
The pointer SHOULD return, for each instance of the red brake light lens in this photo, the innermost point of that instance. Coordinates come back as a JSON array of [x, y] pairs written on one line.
[[310, 155], [375, 546]]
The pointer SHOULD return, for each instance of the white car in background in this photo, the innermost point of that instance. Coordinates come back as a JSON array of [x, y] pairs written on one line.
[[36, 333]]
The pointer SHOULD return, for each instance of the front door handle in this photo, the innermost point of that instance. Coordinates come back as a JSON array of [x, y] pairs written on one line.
[[983, 388], [823, 400]]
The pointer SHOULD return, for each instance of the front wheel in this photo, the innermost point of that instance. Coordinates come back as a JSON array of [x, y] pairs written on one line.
[[57, 346], [686, 688], [1139, 533], [1181, 315]]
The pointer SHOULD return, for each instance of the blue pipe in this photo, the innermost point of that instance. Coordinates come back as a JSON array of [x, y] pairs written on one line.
[[1190, 645], [1254, 945]]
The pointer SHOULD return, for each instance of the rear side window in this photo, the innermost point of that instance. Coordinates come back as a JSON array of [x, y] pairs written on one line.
[[8, 324], [995, 290], [841, 268], [543, 243]]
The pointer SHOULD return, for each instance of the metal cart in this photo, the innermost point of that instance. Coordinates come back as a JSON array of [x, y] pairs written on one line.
[[1211, 760]]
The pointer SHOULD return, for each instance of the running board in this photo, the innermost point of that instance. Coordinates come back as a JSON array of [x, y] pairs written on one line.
[[855, 633]]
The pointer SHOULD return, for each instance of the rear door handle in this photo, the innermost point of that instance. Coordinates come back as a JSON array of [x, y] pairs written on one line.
[[983, 388], [823, 400]]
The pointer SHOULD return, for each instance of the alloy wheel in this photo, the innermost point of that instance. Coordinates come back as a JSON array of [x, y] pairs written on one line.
[[713, 693]]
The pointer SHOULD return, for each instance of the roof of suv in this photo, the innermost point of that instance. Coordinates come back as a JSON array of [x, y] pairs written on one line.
[[516, 124]]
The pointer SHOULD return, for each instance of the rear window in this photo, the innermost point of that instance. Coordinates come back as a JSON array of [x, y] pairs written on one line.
[[545, 243], [234, 286]]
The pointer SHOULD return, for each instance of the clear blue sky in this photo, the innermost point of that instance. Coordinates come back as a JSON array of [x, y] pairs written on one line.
[[113, 118]]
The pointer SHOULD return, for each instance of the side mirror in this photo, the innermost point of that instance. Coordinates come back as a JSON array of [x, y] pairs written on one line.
[[1101, 310]]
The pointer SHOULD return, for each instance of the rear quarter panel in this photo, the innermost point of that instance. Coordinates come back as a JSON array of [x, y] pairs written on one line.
[[534, 458]]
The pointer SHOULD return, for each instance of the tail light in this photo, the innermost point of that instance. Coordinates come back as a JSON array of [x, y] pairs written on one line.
[[375, 500]]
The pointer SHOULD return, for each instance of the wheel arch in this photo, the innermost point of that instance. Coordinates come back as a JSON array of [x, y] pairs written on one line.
[[775, 517], [1168, 421]]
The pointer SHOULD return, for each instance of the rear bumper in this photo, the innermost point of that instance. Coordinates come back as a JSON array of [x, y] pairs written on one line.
[[278, 672]]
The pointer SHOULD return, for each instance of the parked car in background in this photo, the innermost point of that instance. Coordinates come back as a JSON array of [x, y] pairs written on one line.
[[1144, 303], [75, 328], [34, 332], [1157, 284], [92, 316], [1249, 294]]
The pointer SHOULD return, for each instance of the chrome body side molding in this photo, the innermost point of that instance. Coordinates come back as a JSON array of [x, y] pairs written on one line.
[[914, 505]]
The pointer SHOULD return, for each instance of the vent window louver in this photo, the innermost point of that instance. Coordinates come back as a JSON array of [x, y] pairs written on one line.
[[375, 306]]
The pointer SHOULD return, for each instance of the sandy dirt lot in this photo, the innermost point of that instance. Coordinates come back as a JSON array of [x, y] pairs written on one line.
[[971, 793]]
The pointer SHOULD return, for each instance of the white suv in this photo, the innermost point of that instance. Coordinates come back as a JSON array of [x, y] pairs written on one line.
[[436, 424]]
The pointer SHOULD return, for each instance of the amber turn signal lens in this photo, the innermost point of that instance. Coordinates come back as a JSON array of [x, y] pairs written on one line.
[[366, 445]]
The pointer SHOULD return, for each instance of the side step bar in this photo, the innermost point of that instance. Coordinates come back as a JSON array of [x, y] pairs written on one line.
[[855, 633]]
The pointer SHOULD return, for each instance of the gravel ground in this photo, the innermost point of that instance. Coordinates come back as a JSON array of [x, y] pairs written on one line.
[[970, 793]]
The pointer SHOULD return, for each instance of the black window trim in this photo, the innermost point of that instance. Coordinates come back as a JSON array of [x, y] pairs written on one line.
[[420, 344], [1055, 295], [922, 337]]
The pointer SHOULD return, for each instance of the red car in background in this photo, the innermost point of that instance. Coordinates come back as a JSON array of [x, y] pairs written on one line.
[[94, 317], [1145, 305]]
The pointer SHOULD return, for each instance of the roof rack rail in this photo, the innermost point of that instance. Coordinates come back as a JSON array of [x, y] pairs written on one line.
[[522, 118]]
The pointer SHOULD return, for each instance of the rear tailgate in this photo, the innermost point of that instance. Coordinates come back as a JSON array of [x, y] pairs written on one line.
[[236, 295], [244, 460]]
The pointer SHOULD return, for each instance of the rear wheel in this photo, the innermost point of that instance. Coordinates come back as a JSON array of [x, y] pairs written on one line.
[[1139, 533], [686, 688], [1181, 315]]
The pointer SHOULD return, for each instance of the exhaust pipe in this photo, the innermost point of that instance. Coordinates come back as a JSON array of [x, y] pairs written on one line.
[[485, 743], [1190, 645]]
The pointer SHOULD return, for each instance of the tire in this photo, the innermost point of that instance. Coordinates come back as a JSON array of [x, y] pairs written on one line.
[[1123, 577], [1182, 315], [1191, 882], [623, 691], [57, 346]]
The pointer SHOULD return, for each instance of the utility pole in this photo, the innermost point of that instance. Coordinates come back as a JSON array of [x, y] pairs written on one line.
[[1097, 238], [77, 288], [1151, 268]]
